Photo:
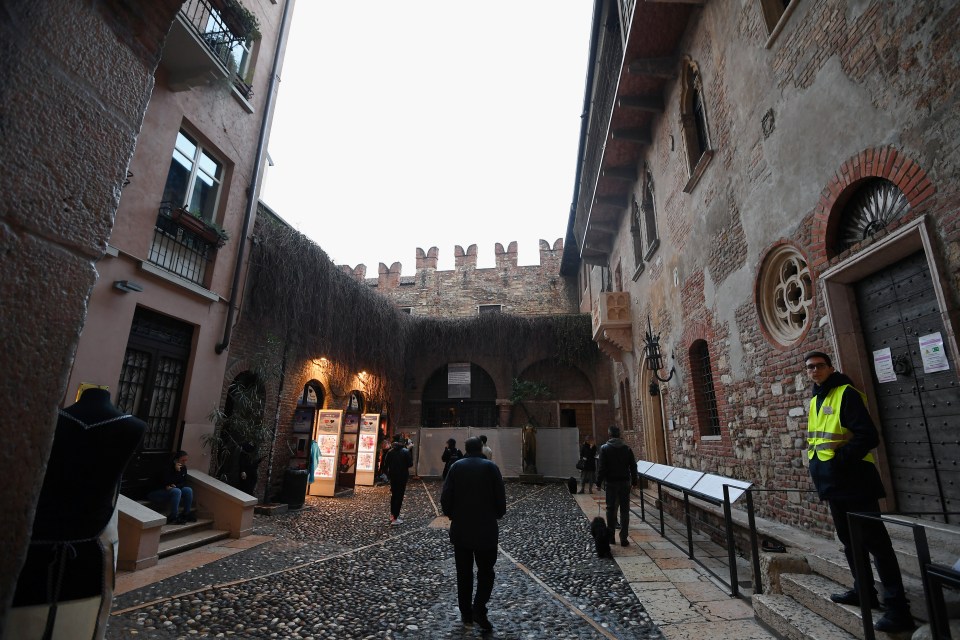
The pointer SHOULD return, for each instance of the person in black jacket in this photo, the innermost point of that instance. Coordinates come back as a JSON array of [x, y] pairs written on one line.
[[450, 455], [840, 436], [174, 490], [588, 475], [474, 498], [396, 464], [618, 468]]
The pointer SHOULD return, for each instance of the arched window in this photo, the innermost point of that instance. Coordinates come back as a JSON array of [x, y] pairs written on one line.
[[693, 122], [636, 235], [875, 204], [705, 397], [649, 209], [312, 395], [356, 402]]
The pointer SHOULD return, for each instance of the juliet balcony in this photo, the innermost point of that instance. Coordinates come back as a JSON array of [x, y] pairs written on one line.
[[613, 323], [183, 244]]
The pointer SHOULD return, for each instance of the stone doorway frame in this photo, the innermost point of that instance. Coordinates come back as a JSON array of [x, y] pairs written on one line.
[[843, 315]]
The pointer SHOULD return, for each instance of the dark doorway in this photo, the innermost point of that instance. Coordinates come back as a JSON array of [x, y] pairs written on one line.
[[150, 387], [919, 410], [473, 405]]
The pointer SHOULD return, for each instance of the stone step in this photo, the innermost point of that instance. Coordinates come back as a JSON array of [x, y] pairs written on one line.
[[191, 538], [813, 591], [792, 620]]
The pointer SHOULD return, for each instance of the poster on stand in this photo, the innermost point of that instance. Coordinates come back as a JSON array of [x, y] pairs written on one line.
[[327, 436], [367, 449]]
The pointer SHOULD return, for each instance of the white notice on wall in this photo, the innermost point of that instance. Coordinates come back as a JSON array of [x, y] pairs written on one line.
[[933, 354], [883, 364]]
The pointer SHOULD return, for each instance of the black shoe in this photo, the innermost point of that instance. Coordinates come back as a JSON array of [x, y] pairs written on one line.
[[191, 517], [894, 621], [480, 617], [181, 520], [466, 619], [624, 543], [851, 597], [171, 519]]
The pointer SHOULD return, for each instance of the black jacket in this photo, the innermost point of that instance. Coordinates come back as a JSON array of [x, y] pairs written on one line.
[[171, 476], [448, 458], [589, 454], [474, 499], [847, 475], [397, 463], [617, 463]]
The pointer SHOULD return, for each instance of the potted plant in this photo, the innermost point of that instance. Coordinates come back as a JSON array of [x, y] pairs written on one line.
[[192, 222], [241, 21]]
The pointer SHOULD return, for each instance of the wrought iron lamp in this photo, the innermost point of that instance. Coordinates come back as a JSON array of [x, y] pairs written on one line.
[[655, 359]]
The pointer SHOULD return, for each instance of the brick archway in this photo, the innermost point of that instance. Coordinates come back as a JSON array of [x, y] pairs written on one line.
[[888, 163]]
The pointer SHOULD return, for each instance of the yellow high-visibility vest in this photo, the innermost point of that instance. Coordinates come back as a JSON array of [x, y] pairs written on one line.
[[824, 431]]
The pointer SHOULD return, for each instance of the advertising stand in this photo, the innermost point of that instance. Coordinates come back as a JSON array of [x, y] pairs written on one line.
[[367, 449], [327, 437]]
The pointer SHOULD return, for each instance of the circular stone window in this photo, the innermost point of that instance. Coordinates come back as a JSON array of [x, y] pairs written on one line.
[[785, 294]]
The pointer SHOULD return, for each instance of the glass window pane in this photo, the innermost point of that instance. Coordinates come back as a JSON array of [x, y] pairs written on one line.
[[204, 198], [175, 190], [209, 166], [186, 146]]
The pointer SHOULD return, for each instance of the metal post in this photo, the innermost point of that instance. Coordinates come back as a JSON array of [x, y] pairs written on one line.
[[939, 624], [686, 516], [731, 545], [660, 504], [754, 547], [860, 570], [643, 510]]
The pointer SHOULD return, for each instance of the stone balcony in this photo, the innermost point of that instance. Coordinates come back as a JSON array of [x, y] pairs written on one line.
[[613, 323]]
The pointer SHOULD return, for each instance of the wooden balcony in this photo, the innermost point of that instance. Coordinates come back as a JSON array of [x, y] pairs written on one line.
[[613, 323]]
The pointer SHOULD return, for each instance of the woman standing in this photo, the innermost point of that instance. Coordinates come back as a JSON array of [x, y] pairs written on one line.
[[588, 453]]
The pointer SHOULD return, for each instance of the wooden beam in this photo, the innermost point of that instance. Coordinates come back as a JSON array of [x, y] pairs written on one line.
[[653, 104], [699, 3], [665, 68], [618, 202], [631, 135], [620, 173]]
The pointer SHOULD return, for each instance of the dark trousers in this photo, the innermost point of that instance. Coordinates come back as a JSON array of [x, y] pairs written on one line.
[[397, 489], [876, 542], [485, 559], [618, 496]]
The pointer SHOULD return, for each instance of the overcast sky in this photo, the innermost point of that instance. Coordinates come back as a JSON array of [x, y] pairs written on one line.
[[429, 123]]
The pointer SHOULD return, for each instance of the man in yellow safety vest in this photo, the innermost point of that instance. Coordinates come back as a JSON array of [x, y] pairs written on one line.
[[840, 437]]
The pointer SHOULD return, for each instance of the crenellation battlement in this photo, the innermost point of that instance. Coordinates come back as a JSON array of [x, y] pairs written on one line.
[[464, 260]]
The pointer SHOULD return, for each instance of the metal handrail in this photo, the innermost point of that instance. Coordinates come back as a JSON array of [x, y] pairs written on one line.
[[932, 576]]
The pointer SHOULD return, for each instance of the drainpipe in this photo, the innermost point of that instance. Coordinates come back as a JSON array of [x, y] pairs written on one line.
[[257, 172]]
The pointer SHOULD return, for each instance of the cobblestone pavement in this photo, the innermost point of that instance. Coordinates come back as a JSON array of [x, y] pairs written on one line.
[[337, 570]]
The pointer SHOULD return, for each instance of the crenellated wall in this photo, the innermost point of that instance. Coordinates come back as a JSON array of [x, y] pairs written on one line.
[[522, 290]]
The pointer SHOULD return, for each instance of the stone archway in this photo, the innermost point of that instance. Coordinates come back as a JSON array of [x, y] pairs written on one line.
[[87, 73]]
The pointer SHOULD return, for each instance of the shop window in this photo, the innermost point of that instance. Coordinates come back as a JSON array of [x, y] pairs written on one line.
[[705, 396]]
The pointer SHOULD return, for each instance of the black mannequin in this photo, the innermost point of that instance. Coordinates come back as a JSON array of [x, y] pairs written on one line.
[[91, 447]]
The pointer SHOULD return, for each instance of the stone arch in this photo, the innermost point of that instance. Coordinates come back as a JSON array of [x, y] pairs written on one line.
[[888, 163], [570, 389], [63, 82], [475, 406]]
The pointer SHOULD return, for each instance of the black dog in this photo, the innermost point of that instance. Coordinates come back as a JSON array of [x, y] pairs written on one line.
[[601, 537], [572, 484]]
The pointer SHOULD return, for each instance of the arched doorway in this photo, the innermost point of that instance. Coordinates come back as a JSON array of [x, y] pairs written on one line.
[[347, 467], [237, 443], [654, 438], [459, 395]]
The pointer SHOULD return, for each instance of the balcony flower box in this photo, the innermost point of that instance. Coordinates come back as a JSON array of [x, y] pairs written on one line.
[[211, 233]]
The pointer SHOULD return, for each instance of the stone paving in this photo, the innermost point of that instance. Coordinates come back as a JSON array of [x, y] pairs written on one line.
[[337, 570]]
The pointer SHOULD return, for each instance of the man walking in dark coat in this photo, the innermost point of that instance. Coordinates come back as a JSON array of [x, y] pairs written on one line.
[[474, 499], [396, 464], [618, 468], [840, 437]]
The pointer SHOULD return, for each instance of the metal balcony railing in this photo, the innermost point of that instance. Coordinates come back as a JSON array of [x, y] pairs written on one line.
[[209, 26], [180, 250]]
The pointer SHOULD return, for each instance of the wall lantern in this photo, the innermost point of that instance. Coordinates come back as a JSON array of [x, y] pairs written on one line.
[[655, 359]]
